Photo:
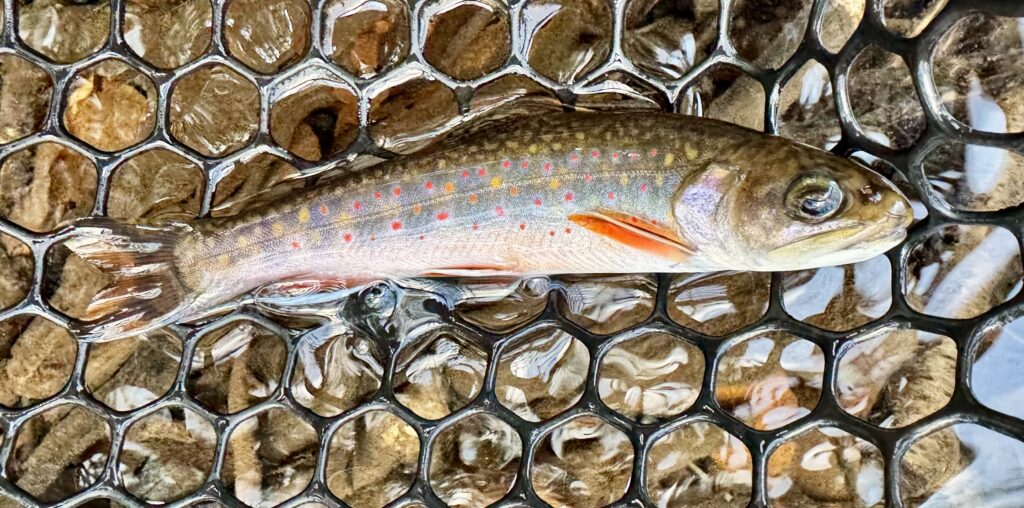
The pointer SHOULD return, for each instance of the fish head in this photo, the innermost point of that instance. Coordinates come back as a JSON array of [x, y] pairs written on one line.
[[779, 205]]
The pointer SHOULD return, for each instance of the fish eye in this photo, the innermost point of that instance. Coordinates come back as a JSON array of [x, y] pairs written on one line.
[[814, 198]]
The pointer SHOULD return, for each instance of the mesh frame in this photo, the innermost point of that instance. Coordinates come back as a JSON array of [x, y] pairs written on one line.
[[893, 443]]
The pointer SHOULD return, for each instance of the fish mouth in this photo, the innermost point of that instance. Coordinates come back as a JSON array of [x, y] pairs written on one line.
[[853, 243]]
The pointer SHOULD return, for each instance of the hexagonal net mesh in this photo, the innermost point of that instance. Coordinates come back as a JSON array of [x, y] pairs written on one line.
[[890, 382]]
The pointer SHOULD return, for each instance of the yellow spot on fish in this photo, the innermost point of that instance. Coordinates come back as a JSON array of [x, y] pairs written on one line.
[[533, 148], [441, 163], [224, 259], [659, 180], [580, 136], [344, 216], [624, 180], [669, 158], [417, 209], [316, 235], [449, 187], [277, 228], [242, 242], [495, 182], [691, 152], [304, 215], [556, 146], [555, 184]]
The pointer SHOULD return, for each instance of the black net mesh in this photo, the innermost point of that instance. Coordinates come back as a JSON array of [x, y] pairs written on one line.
[[891, 382]]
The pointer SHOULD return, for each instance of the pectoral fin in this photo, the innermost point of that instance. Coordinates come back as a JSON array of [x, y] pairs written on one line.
[[635, 232]]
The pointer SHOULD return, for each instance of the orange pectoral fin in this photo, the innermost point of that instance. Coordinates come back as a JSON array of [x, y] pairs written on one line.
[[636, 233]]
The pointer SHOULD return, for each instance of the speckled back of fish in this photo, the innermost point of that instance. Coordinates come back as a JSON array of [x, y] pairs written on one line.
[[568, 193]]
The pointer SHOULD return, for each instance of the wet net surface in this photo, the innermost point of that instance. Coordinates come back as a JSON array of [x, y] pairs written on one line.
[[891, 382]]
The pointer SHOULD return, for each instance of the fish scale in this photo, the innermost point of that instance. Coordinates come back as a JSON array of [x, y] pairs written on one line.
[[569, 193]]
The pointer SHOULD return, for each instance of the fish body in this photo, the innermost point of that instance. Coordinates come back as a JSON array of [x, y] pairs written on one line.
[[561, 194]]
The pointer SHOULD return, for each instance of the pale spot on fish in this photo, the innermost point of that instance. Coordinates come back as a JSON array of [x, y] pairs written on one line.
[[304, 215], [533, 148], [556, 146], [242, 242], [668, 159], [495, 182], [555, 184], [277, 229], [623, 180], [690, 151], [224, 259], [580, 136], [417, 209], [659, 180]]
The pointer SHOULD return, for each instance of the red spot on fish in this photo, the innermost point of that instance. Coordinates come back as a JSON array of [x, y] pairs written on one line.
[[588, 177], [296, 245], [500, 211], [377, 195], [633, 155], [654, 221], [472, 199], [524, 164], [476, 226], [547, 167], [537, 202], [373, 238], [567, 230], [643, 187], [465, 173], [568, 196], [552, 233], [615, 155], [633, 219], [595, 154], [347, 237], [442, 216], [397, 191], [574, 157], [430, 185], [506, 164], [324, 209], [422, 237], [522, 227], [396, 225], [654, 152], [481, 172], [611, 195], [357, 205]]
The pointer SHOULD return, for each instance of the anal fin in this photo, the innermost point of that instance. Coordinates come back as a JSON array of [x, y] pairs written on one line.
[[490, 271]]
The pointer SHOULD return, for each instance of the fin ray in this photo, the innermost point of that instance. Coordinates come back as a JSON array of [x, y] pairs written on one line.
[[648, 237]]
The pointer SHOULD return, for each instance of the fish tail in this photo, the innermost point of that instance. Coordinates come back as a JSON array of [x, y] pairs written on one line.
[[147, 291]]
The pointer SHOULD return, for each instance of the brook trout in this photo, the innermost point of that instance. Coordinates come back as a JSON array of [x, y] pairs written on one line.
[[561, 194]]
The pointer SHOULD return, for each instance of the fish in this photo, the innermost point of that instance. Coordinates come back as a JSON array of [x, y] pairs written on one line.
[[565, 193]]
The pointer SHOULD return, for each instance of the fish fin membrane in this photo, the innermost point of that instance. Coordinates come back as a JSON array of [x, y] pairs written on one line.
[[646, 239], [146, 292]]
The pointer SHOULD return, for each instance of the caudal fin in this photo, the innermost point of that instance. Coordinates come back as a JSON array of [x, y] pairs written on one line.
[[146, 292]]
